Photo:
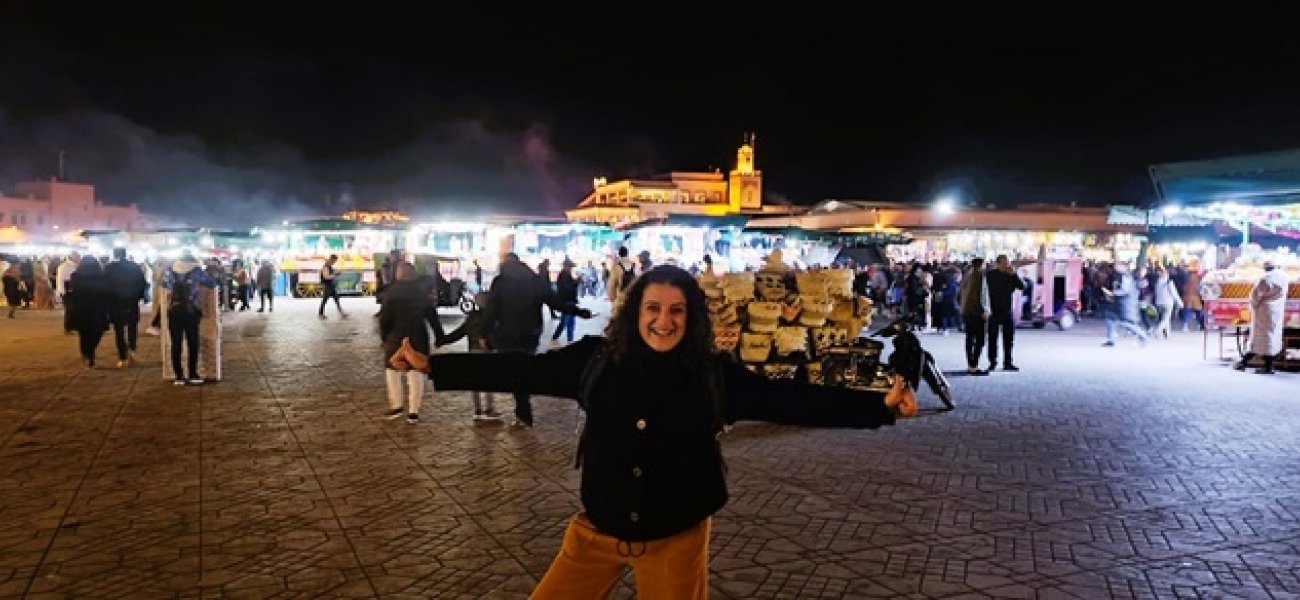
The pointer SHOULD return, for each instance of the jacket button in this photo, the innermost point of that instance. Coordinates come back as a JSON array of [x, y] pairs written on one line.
[[634, 517], [636, 471], [640, 424]]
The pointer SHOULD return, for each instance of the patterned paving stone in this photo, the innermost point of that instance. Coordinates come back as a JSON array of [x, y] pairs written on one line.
[[1094, 473]]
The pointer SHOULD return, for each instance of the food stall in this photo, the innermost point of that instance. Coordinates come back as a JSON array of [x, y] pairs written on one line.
[[303, 247]]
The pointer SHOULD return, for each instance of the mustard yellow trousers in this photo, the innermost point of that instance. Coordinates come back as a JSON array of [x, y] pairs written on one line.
[[590, 563]]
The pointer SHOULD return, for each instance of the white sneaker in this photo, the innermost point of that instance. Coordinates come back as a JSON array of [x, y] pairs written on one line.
[[151, 331], [556, 343]]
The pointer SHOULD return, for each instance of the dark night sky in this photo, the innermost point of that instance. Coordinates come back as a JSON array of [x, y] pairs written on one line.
[[518, 109]]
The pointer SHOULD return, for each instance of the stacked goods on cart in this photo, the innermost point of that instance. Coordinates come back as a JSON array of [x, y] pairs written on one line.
[[786, 324]]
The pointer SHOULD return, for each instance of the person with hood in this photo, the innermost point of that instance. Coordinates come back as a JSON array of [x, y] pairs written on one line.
[[62, 275], [44, 295], [1193, 306], [621, 276], [404, 311], [514, 320], [1267, 313], [127, 285], [91, 304], [184, 313], [657, 398]]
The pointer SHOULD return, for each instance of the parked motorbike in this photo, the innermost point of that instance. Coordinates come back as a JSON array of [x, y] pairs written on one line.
[[859, 366], [912, 362]]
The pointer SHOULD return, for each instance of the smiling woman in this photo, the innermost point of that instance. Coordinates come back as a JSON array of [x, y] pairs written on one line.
[[657, 399]]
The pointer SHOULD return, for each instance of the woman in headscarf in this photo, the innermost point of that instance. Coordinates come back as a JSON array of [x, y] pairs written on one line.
[[91, 306]]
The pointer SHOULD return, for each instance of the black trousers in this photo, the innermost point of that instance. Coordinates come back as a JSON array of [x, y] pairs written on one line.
[[183, 326], [264, 297], [1006, 324], [329, 291], [126, 326], [974, 339], [526, 343]]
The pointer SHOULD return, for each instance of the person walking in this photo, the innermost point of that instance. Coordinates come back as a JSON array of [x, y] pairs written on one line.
[[184, 314], [1002, 283], [240, 279], [620, 276], [1122, 305], [566, 291], [406, 313], [13, 287], [514, 318], [328, 277], [62, 276], [975, 310], [474, 330], [127, 286], [1167, 300], [1193, 306], [157, 274], [44, 295], [1267, 313], [657, 399], [92, 303]]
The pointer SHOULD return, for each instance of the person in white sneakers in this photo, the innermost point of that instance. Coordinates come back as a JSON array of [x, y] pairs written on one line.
[[405, 310]]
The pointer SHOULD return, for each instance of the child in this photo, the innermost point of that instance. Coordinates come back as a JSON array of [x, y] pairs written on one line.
[[474, 330]]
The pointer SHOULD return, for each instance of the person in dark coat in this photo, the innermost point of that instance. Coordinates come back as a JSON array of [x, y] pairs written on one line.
[[566, 291], [13, 284], [127, 287], [1002, 282], [406, 312], [514, 319], [652, 470], [91, 307]]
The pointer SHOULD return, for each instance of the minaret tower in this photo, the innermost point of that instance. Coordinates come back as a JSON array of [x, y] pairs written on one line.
[[745, 185]]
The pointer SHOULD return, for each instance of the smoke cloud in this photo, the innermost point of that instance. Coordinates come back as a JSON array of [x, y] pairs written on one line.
[[461, 168]]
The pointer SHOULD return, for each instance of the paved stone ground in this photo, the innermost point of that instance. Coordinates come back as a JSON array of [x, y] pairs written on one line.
[[1125, 472]]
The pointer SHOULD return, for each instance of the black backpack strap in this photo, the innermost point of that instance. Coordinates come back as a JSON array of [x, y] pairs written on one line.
[[586, 386]]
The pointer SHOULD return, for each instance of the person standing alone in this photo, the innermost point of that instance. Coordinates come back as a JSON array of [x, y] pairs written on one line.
[[265, 287], [1002, 283], [328, 275], [1267, 312], [184, 313], [975, 314]]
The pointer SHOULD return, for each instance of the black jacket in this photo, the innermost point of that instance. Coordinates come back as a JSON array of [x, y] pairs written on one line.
[[406, 308], [92, 302], [514, 307], [1002, 286], [125, 280], [651, 467]]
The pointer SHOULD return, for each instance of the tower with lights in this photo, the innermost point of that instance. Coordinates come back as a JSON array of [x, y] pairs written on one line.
[[745, 184]]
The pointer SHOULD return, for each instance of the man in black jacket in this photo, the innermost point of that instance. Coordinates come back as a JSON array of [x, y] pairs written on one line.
[[127, 285], [514, 320], [1003, 283]]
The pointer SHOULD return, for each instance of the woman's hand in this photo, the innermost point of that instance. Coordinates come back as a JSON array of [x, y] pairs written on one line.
[[408, 358]]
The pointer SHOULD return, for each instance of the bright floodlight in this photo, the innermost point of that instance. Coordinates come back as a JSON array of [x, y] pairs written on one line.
[[1171, 210], [945, 206]]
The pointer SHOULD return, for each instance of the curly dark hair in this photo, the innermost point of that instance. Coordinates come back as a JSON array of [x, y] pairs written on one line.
[[624, 336]]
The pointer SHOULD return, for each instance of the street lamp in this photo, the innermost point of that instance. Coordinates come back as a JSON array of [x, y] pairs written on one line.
[[945, 205]]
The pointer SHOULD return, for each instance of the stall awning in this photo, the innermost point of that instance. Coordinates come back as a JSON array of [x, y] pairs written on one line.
[[714, 222], [1257, 179]]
